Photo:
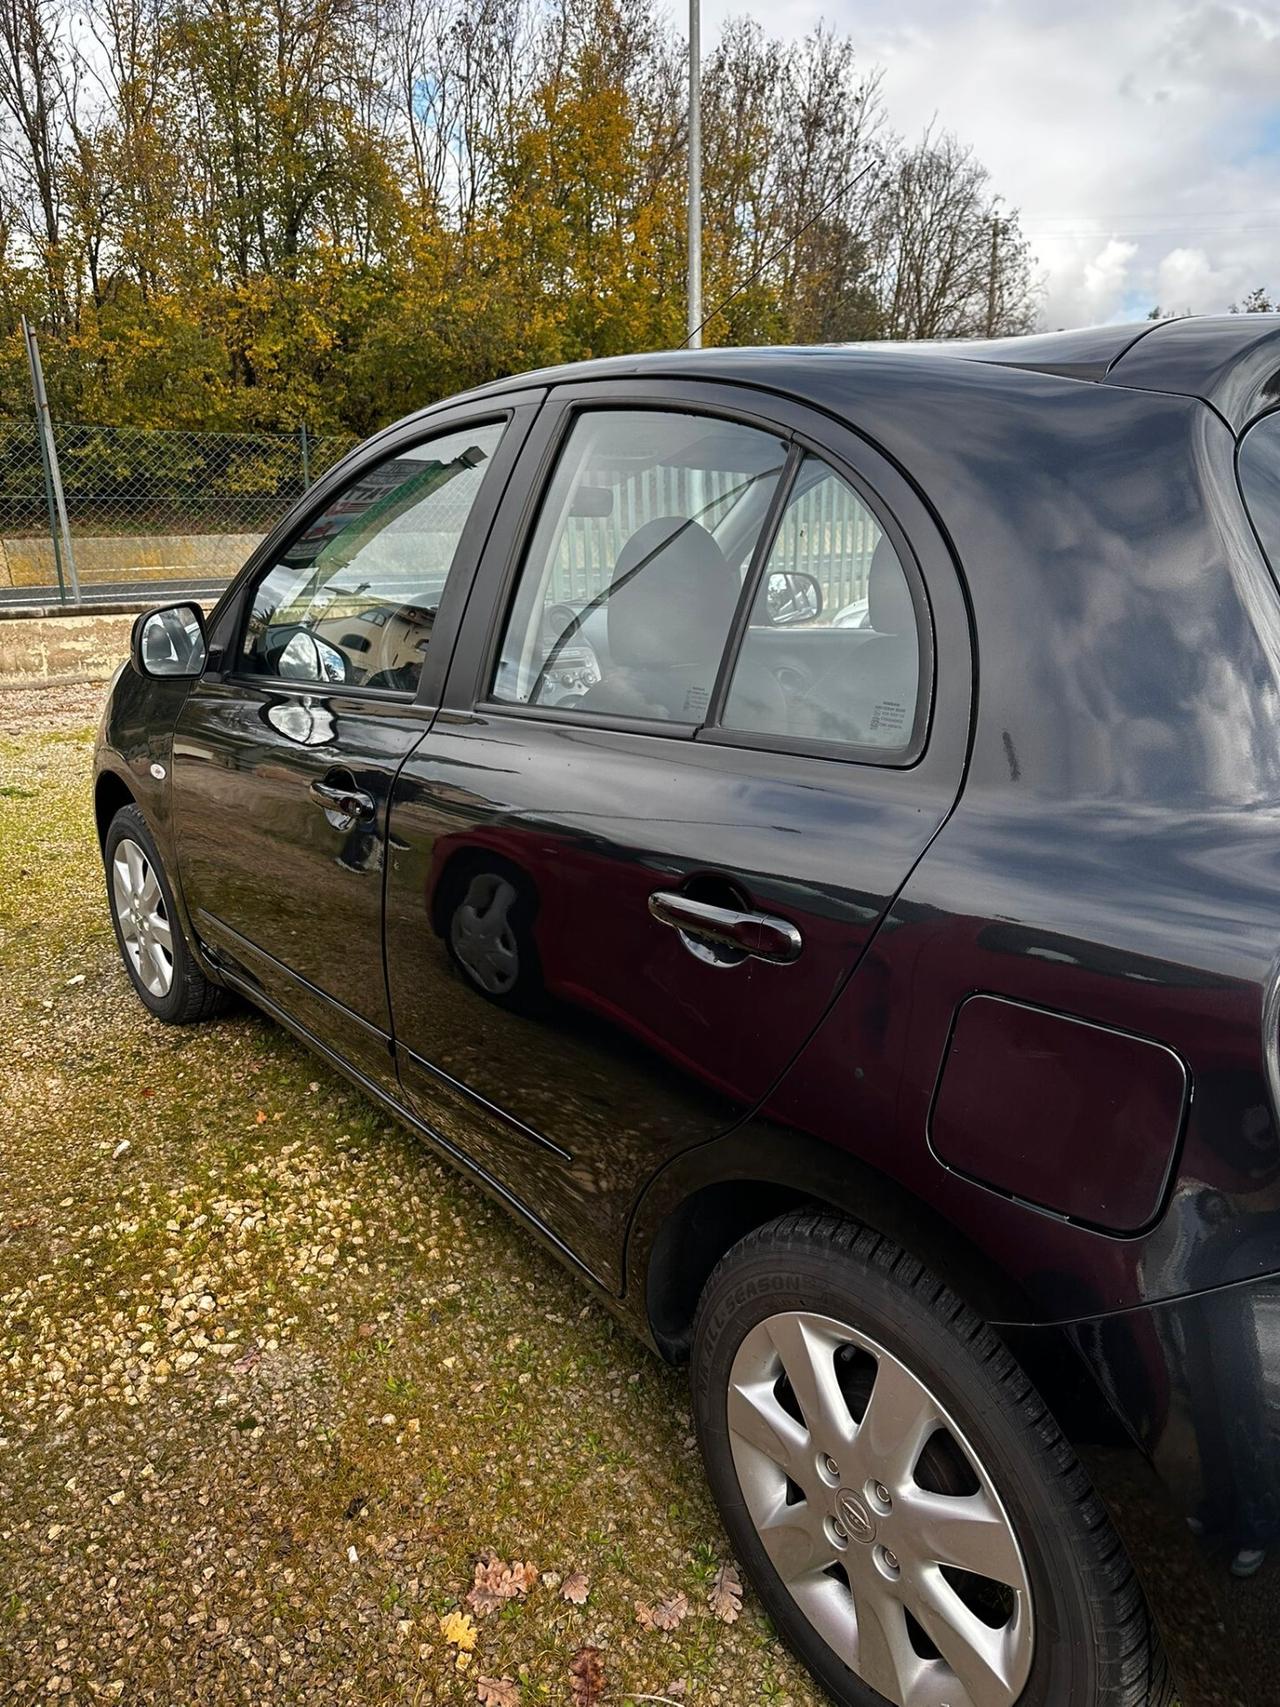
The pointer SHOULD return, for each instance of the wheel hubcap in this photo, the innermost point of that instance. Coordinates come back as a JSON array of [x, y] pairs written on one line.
[[143, 920], [481, 933], [878, 1516]]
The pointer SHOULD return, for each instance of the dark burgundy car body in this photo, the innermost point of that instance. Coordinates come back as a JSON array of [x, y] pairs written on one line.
[[1035, 1031]]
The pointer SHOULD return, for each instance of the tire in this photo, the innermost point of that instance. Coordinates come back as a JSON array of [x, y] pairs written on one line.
[[187, 995], [486, 912], [1056, 1616]]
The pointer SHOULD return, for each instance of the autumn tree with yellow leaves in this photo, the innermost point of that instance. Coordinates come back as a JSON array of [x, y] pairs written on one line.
[[259, 213]]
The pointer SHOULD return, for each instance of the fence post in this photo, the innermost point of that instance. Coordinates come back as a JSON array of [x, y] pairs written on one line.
[[306, 457], [50, 510], [52, 477]]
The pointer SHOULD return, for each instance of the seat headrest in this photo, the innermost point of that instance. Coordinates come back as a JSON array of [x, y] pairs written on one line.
[[677, 605], [889, 607]]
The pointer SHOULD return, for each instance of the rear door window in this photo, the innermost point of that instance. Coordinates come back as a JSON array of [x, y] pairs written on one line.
[[832, 651], [629, 590]]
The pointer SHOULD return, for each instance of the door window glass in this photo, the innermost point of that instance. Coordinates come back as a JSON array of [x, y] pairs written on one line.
[[831, 651], [352, 600], [628, 593]]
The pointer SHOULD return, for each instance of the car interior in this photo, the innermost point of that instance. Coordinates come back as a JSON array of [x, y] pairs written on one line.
[[857, 686], [354, 598]]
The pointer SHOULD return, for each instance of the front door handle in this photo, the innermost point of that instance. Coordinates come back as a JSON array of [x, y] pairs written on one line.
[[344, 804], [726, 928]]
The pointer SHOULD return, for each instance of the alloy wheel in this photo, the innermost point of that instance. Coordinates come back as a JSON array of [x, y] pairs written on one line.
[[142, 917], [878, 1516], [482, 935]]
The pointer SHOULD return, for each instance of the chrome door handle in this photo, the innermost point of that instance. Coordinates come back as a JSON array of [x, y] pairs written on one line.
[[754, 934], [345, 806]]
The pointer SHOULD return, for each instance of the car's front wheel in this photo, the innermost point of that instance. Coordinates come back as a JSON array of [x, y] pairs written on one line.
[[912, 1518], [149, 935]]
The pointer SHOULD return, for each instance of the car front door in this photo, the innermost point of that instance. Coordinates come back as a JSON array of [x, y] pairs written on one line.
[[324, 665], [703, 718]]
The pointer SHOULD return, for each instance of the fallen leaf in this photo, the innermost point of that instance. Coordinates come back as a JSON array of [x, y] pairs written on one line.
[[725, 1599], [576, 1589], [586, 1677], [260, 1118], [497, 1692], [496, 1582], [668, 1614], [460, 1630]]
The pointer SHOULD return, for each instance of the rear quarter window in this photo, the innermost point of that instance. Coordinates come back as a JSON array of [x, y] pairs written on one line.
[[1260, 483]]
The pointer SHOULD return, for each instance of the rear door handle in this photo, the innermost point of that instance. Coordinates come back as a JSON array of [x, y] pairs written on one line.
[[344, 804], [755, 934]]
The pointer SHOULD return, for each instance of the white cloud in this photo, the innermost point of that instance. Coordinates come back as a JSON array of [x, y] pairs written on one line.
[[1140, 143]]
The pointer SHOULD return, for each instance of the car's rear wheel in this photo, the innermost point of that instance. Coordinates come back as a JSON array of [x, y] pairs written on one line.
[[914, 1521], [152, 946]]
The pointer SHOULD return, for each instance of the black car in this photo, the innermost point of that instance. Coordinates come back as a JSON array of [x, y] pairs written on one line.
[[802, 829]]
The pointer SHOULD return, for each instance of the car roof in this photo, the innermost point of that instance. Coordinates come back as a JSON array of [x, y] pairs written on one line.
[[1230, 361]]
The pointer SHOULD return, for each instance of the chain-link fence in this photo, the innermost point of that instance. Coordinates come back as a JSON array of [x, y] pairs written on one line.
[[145, 504]]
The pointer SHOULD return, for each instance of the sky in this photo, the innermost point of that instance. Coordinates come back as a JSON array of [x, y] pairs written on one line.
[[1139, 142]]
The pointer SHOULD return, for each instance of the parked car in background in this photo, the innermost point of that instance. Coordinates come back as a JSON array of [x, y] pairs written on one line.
[[801, 828]]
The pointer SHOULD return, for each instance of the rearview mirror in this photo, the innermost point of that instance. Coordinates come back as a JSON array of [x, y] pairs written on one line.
[[169, 642], [792, 597]]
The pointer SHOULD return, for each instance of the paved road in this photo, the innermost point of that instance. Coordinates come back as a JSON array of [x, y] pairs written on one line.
[[121, 593]]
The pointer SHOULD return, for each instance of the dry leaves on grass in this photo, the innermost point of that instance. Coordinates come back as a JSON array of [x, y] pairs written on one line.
[[668, 1614], [497, 1692], [576, 1589], [725, 1598], [586, 1677], [497, 1582]]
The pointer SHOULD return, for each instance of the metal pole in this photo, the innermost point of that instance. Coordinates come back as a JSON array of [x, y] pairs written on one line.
[[991, 276], [50, 508], [694, 340], [306, 457], [51, 451]]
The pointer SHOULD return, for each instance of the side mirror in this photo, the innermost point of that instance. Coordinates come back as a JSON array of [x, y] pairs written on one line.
[[792, 597], [169, 642]]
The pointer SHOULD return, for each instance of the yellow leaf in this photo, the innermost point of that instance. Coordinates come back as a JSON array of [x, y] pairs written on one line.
[[458, 1628]]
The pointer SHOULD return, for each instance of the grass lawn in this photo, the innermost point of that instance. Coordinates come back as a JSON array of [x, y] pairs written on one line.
[[273, 1382]]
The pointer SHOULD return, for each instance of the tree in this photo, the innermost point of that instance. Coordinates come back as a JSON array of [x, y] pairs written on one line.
[[253, 213], [948, 263], [1257, 302]]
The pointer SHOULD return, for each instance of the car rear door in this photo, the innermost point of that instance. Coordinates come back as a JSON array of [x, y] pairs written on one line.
[[325, 667], [626, 883]]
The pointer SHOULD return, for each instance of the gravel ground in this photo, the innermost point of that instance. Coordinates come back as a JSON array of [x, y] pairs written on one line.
[[277, 1390]]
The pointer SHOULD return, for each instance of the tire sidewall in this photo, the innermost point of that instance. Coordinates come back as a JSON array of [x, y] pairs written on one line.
[[129, 824], [839, 1285]]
